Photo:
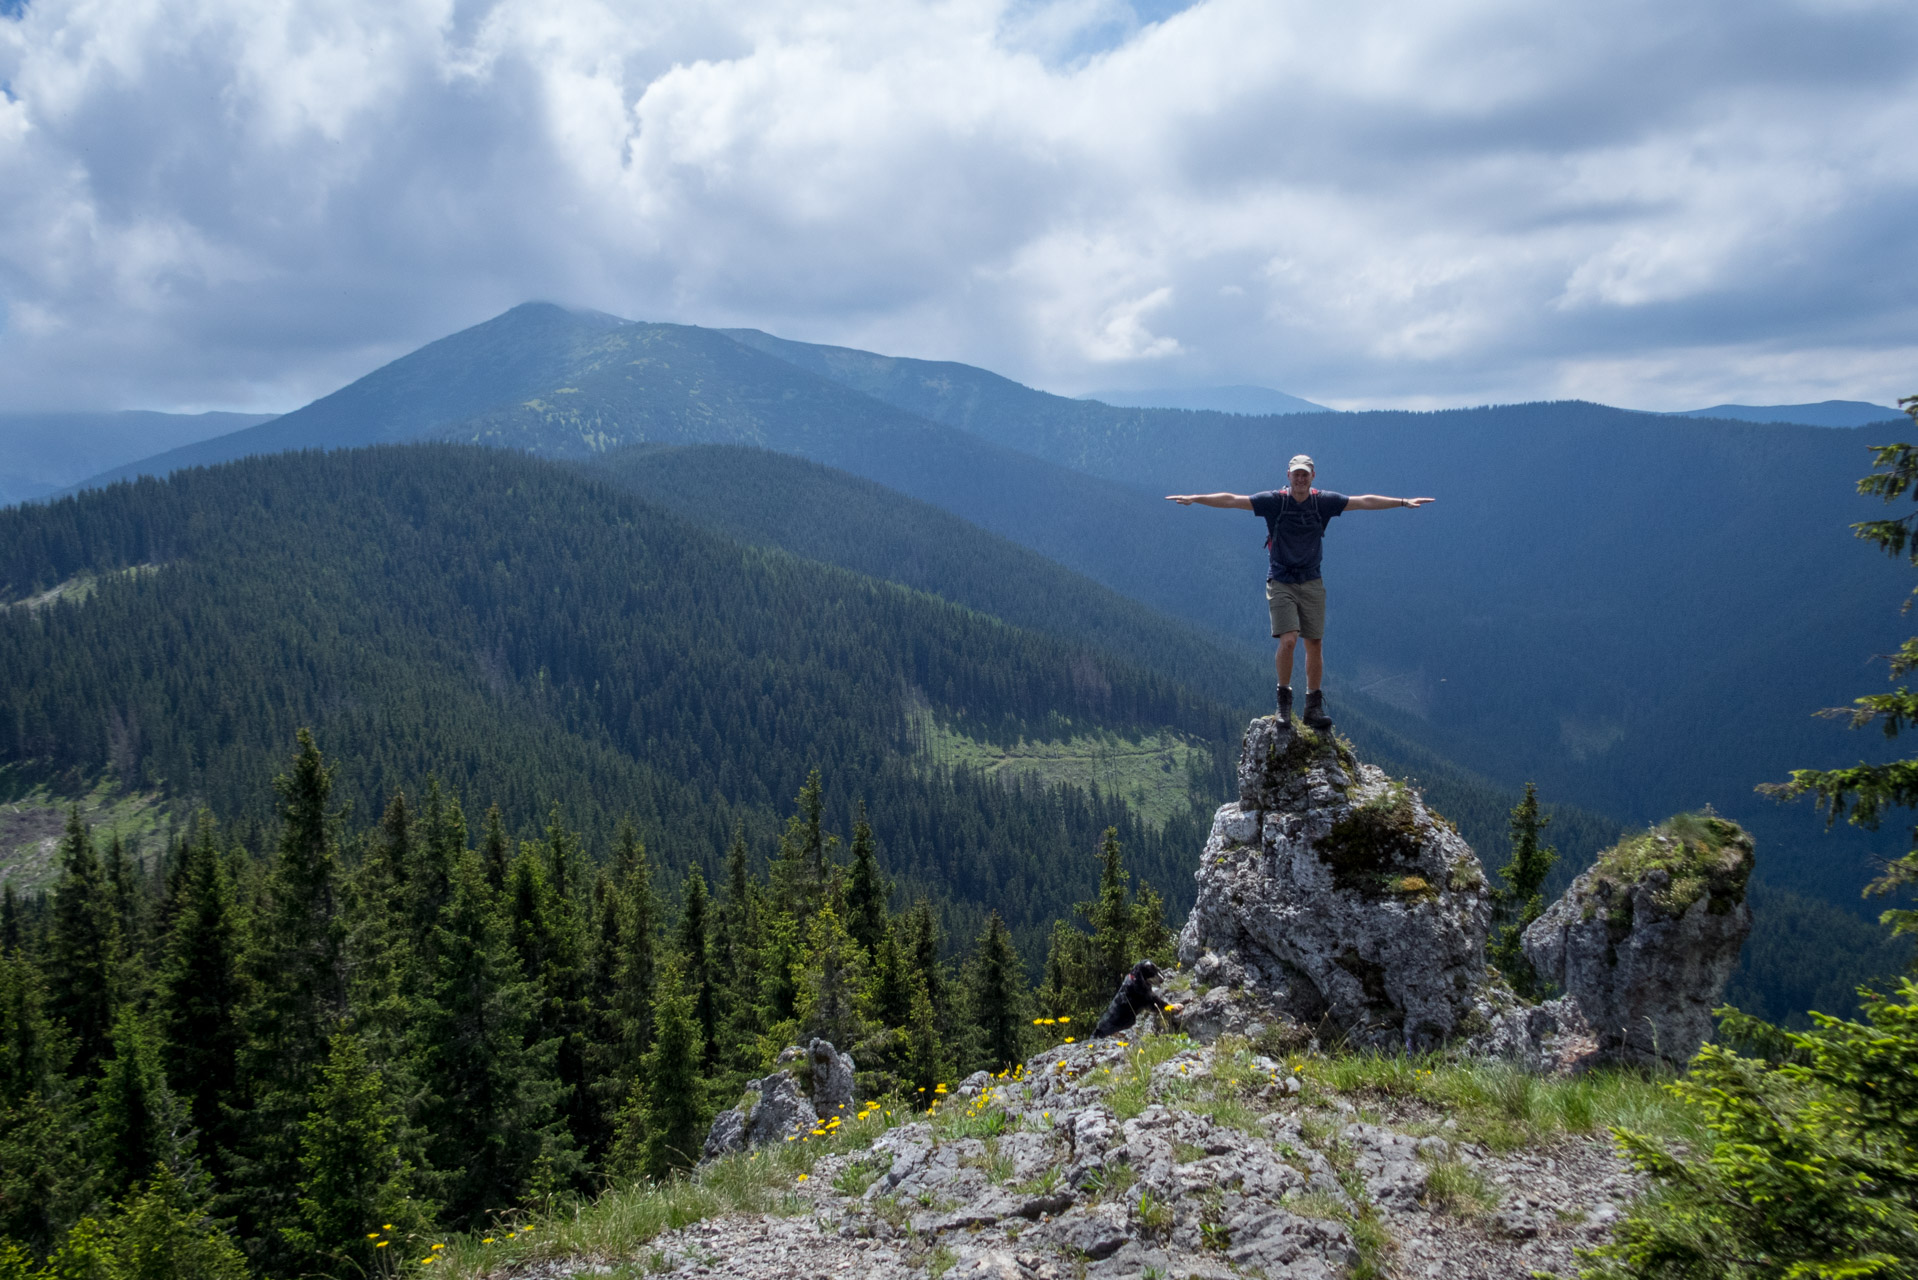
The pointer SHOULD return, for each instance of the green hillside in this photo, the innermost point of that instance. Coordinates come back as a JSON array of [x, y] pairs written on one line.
[[533, 636]]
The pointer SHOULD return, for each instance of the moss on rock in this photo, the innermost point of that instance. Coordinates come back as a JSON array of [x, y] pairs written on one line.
[[1372, 848], [1685, 858]]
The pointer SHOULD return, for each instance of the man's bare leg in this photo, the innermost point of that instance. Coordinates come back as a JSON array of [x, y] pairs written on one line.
[[1314, 665], [1288, 643]]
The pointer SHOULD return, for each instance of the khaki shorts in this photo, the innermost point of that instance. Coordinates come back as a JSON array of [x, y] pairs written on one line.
[[1297, 606]]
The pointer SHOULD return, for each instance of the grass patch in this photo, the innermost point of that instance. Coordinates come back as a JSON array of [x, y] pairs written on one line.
[[1154, 1215], [1369, 1236], [997, 1167], [1504, 1106], [1044, 1184], [1111, 1181], [941, 1261], [617, 1225], [1456, 1188]]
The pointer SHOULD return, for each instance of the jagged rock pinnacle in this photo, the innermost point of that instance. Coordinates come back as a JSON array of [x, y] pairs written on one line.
[[1342, 897]]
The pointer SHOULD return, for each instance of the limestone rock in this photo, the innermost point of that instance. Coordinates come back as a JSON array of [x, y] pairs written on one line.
[[1645, 941], [779, 1110], [1336, 895], [831, 1080]]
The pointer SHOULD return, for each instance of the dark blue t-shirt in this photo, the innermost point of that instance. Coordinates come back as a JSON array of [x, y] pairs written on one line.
[[1297, 531]]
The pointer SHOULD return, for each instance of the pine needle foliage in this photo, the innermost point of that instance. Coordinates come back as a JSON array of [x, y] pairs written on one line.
[[1863, 793]]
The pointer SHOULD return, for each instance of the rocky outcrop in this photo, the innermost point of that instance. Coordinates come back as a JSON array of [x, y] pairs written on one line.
[[1644, 942], [831, 1075], [1111, 1161], [783, 1108], [1338, 897]]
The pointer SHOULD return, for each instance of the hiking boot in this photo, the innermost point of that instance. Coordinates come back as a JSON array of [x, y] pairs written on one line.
[[1285, 704], [1315, 717]]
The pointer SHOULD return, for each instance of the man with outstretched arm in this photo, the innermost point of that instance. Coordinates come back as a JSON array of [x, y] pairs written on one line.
[[1295, 519]]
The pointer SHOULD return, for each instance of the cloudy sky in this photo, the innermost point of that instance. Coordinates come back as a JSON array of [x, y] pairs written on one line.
[[242, 204]]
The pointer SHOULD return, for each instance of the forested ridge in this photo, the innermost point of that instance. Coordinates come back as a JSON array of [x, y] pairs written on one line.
[[534, 636]]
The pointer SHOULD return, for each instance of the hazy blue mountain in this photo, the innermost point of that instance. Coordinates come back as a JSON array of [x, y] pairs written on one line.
[[1255, 401], [1826, 413], [45, 452]]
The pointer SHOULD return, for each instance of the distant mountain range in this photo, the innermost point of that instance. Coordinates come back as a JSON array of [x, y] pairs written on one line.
[[1826, 413], [43, 453], [1593, 603], [1247, 400]]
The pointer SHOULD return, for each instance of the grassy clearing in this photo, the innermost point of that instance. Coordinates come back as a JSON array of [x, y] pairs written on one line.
[[1502, 1106], [33, 817], [1155, 775]]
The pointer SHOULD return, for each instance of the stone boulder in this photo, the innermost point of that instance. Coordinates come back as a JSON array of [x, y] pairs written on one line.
[[1340, 897], [783, 1107], [1645, 941], [831, 1080]]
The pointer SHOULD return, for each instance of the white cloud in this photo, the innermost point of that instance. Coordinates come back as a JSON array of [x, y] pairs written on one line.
[[244, 203]]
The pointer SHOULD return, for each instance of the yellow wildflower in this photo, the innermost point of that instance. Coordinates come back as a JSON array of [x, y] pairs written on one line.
[[382, 1244], [804, 1176]]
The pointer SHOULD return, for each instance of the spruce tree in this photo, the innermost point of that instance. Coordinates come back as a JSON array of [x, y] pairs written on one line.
[[552, 949], [1151, 940], [1066, 964], [637, 964], [832, 983], [1521, 899], [353, 1179], [83, 954], [742, 955], [1110, 915], [804, 875], [674, 1117], [136, 1120], [121, 881], [44, 1171], [9, 919], [441, 841], [925, 1063], [891, 983], [493, 849], [696, 959], [996, 981], [167, 1233], [198, 1004], [297, 993], [490, 1113], [866, 888]]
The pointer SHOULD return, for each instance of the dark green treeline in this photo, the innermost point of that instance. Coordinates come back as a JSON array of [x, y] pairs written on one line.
[[532, 635], [272, 1059]]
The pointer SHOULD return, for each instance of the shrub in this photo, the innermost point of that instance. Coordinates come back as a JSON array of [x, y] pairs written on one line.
[[1807, 1166]]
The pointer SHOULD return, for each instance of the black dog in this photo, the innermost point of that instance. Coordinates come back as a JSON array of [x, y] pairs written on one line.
[[1135, 996]]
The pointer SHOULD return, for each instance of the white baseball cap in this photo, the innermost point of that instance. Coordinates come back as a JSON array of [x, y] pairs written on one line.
[[1303, 462]]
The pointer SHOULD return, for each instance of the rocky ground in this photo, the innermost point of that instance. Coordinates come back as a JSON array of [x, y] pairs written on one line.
[[1169, 1159]]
